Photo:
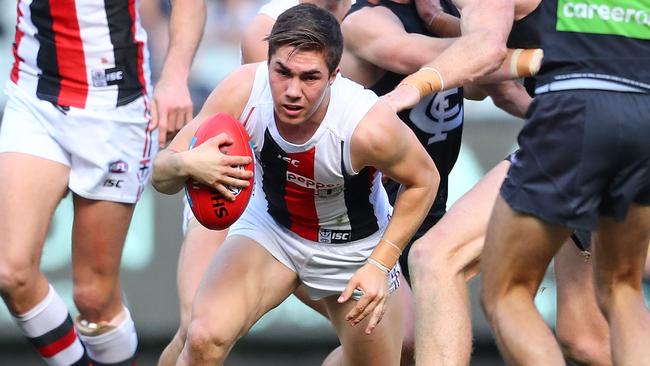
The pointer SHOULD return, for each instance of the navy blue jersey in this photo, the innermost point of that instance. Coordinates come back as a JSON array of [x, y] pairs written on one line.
[[595, 45], [437, 120]]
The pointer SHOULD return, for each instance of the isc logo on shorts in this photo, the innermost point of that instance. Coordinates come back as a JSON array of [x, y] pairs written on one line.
[[333, 236]]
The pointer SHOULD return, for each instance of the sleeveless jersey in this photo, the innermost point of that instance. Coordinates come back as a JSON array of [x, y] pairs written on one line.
[[591, 44], [276, 7], [81, 53], [525, 34], [311, 188], [437, 120]]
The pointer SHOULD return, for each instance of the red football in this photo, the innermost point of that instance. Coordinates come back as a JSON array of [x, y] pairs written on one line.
[[209, 206]]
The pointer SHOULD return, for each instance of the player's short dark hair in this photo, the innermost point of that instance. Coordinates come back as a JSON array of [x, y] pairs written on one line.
[[306, 27]]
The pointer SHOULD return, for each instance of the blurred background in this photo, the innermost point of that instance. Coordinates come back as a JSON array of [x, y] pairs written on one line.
[[291, 334]]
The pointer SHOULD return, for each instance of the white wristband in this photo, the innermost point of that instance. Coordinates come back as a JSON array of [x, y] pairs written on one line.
[[382, 267]]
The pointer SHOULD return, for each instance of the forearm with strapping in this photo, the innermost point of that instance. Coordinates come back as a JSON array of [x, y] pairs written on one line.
[[518, 63]]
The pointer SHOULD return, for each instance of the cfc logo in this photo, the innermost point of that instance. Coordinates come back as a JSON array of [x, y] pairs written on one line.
[[438, 114]]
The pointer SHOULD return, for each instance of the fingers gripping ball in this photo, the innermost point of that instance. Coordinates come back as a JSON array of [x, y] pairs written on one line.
[[209, 206]]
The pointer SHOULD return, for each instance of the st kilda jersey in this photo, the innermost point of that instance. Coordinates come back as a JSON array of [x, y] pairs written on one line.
[[311, 188], [81, 53]]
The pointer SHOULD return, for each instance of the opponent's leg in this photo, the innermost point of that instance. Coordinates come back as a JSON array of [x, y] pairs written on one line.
[[198, 248], [31, 189], [518, 249], [104, 324], [580, 327], [234, 293], [620, 252], [441, 262], [381, 347]]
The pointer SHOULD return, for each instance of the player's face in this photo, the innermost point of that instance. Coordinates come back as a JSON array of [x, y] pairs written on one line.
[[300, 84]]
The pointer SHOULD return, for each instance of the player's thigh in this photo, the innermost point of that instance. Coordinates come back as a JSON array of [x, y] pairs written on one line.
[[199, 246], [98, 235], [242, 283], [317, 305], [382, 346], [448, 245], [518, 249], [30, 190]]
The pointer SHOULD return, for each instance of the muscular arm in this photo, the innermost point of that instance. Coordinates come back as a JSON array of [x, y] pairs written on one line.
[[175, 164], [481, 49], [384, 142], [386, 44], [171, 104]]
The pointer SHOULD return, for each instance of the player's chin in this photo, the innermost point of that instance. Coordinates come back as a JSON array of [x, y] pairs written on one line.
[[293, 117]]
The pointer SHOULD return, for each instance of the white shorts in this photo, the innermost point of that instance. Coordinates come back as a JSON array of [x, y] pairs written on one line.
[[324, 269], [109, 159]]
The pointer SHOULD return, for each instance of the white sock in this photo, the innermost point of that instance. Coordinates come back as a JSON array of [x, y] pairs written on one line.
[[117, 346], [49, 328]]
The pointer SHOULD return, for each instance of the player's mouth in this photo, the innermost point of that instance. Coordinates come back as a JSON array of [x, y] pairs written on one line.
[[292, 110]]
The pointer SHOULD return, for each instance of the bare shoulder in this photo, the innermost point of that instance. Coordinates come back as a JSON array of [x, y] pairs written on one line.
[[231, 95], [253, 45], [377, 135]]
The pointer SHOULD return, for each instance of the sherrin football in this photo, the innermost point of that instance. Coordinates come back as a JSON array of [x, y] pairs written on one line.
[[210, 208]]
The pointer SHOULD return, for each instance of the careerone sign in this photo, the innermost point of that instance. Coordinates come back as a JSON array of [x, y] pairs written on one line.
[[627, 18]]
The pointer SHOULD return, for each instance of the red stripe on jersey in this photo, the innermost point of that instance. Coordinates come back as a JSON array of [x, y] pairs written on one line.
[[59, 345], [300, 193], [19, 36], [69, 54], [140, 44], [248, 116]]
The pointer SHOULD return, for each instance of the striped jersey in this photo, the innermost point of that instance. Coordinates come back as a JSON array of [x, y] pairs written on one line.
[[81, 53], [311, 188]]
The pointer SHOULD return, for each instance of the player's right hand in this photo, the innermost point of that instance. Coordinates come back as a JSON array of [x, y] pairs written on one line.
[[210, 164], [373, 284]]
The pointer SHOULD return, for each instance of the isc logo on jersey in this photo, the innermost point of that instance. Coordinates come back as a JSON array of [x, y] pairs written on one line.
[[330, 236]]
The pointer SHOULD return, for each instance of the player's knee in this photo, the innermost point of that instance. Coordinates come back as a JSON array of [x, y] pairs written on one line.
[[15, 276], [202, 338], [584, 349], [91, 299], [428, 264]]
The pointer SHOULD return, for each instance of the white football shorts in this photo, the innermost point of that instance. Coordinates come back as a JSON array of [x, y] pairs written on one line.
[[109, 152], [324, 269]]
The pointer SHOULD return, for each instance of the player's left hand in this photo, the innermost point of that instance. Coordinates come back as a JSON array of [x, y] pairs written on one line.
[[171, 108], [373, 284], [402, 97]]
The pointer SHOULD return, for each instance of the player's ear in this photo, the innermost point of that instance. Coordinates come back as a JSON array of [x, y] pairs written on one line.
[[333, 75]]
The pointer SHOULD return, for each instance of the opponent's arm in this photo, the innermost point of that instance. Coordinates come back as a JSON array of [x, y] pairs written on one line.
[[438, 22], [386, 44], [205, 163], [481, 50], [381, 140], [171, 105]]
